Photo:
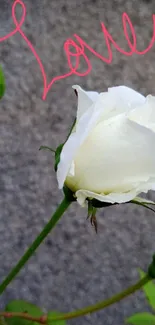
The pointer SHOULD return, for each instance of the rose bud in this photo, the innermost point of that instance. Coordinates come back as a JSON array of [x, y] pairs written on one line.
[[110, 154]]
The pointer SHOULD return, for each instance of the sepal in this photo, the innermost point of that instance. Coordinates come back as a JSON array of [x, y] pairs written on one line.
[[57, 156], [2, 83], [143, 202], [98, 204], [69, 194]]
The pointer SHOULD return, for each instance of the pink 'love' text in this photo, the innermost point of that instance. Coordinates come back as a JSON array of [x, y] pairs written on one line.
[[79, 49]]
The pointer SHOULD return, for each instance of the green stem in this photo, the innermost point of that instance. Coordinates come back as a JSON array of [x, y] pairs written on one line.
[[49, 226], [105, 303], [44, 319]]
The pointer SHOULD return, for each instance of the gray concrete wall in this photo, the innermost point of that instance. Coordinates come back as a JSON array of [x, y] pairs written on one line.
[[74, 267]]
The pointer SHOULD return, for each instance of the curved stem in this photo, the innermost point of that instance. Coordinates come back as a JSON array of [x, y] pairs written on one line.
[[44, 319], [105, 303], [49, 226]]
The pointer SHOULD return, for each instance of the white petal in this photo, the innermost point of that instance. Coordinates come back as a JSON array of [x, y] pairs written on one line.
[[120, 100], [82, 195], [127, 96], [145, 114], [107, 104], [116, 157], [83, 127], [109, 198], [85, 100], [72, 169], [93, 95]]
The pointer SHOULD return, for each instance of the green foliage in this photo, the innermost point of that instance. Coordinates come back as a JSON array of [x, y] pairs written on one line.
[[149, 290], [2, 83], [22, 306], [53, 314], [145, 318], [141, 319]]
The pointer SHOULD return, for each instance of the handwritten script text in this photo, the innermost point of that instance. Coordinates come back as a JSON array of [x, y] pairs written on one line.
[[79, 50]]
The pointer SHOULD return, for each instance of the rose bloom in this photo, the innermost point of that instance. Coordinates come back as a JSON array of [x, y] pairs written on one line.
[[110, 154]]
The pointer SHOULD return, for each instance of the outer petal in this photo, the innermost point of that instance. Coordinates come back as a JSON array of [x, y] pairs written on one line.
[[122, 99], [85, 124], [115, 197], [103, 108], [109, 198], [85, 100], [127, 96], [90, 113], [145, 114]]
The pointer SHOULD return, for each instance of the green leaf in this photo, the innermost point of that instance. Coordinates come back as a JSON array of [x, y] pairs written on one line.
[[55, 314], [141, 319], [2, 83], [3, 321], [22, 306], [149, 290]]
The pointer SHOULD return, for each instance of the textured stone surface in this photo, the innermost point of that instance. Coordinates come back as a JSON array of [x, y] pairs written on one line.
[[74, 267]]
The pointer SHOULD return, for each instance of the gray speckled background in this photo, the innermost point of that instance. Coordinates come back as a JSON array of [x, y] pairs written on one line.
[[74, 267]]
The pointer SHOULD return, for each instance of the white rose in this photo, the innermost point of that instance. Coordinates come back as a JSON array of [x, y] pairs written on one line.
[[110, 154]]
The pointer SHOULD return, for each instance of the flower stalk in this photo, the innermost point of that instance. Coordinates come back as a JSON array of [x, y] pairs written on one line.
[[30, 251], [44, 319]]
